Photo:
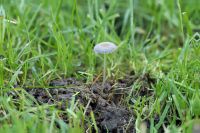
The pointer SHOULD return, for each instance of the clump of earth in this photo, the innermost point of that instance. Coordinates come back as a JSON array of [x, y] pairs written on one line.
[[108, 105]]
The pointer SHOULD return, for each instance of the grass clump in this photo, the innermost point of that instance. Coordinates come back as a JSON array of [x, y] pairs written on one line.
[[41, 41]]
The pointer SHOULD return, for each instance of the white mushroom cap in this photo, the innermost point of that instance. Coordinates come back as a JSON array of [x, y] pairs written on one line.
[[105, 48]]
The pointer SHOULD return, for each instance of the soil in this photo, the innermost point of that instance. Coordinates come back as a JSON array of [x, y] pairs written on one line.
[[108, 105]]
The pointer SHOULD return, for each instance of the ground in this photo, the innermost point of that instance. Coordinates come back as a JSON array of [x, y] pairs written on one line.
[[51, 78]]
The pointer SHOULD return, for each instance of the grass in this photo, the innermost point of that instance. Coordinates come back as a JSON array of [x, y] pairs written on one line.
[[54, 39]]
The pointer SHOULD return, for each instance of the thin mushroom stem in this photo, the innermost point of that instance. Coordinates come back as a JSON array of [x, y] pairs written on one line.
[[104, 71]]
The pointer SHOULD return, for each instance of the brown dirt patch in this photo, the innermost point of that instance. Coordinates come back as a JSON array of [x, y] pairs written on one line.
[[110, 112]]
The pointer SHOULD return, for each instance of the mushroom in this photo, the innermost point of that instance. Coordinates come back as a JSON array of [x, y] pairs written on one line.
[[104, 48]]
